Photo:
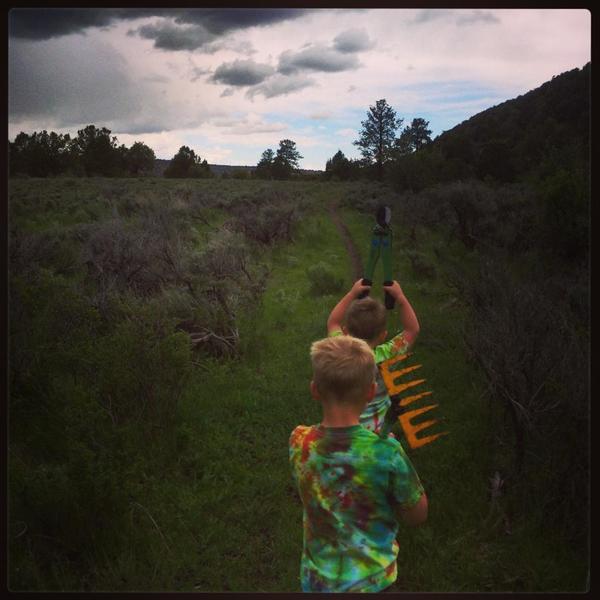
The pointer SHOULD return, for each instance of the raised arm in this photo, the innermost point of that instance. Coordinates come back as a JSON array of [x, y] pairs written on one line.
[[334, 322], [417, 514], [410, 323]]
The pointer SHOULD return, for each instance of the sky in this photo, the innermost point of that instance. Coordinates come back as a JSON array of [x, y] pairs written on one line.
[[230, 83]]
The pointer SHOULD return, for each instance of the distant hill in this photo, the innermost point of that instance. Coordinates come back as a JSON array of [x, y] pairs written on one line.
[[161, 164], [545, 128]]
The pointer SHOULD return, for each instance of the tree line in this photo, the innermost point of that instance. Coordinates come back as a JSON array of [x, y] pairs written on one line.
[[95, 152], [92, 152]]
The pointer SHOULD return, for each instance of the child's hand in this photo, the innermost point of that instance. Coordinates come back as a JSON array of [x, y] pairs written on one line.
[[394, 290], [358, 288]]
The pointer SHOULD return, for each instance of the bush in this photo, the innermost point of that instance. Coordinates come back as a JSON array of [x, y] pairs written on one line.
[[419, 264], [533, 350], [266, 217], [323, 279]]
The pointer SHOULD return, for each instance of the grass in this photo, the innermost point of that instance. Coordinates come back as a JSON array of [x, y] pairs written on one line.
[[223, 513]]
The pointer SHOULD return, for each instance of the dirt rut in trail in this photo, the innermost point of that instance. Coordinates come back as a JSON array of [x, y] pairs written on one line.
[[353, 253]]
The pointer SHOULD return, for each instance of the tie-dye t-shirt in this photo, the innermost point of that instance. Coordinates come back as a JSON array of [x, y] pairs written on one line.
[[372, 418], [351, 482]]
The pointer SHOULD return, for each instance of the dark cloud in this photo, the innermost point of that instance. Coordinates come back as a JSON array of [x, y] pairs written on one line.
[[280, 85], [316, 59], [46, 23], [170, 37], [353, 40], [49, 79], [57, 84], [221, 20], [241, 73]]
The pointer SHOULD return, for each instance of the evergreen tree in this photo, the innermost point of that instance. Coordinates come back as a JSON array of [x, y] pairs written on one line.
[[286, 159], [264, 168], [413, 137], [419, 133], [338, 166], [376, 141]]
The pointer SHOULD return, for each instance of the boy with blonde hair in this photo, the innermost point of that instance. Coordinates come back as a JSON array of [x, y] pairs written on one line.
[[355, 486], [366, 319]]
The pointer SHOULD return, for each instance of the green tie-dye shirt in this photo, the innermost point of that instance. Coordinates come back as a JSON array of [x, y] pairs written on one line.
[[351, 482], [373, 416]]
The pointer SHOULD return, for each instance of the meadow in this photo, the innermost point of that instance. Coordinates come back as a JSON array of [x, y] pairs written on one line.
[[159, 338]]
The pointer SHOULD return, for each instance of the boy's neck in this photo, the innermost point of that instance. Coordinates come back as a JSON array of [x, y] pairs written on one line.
[[335, 415]]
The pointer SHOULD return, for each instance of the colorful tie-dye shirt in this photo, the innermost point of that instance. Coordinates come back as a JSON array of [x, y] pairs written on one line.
[[372, 418], [351, 483]]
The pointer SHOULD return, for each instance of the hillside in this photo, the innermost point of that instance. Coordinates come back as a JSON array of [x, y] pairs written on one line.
[[549, 125], [529, 138]]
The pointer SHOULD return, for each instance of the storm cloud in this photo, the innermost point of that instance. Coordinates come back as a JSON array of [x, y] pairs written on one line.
[[221, 20], [55, 83], [353, 40], [51, 79], [316, 58], [171, 37], [242, 73], [46, 23]]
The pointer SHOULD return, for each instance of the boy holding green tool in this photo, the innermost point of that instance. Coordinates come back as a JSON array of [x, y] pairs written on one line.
[[365, 318]]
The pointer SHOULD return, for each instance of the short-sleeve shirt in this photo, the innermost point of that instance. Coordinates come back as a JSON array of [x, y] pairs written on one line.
[[372, 418], [351, 483]]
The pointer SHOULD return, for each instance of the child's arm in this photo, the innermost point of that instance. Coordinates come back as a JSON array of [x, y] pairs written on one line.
[[334, 323], [417, 514], [410, 323], [407, 493]]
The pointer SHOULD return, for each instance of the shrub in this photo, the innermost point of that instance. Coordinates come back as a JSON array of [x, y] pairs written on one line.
[[266, 219], [419, 264], [533, 350], [323, 279]]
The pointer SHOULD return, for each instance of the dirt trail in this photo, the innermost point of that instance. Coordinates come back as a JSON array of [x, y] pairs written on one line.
[[353, 253]]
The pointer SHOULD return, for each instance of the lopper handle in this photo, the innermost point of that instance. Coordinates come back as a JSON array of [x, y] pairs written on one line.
[[366, 292], [389, 299]]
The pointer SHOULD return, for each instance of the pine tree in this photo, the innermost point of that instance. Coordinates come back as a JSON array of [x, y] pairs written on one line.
[[378, 133]]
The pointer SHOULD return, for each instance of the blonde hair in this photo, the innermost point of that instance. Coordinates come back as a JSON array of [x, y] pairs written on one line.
[[343, 366], [365, 319]]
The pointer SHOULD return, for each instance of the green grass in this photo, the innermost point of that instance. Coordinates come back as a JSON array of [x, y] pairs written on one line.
[[222, 514]]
